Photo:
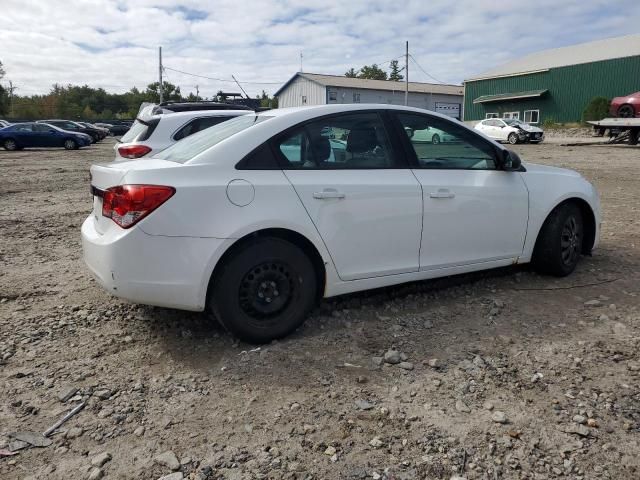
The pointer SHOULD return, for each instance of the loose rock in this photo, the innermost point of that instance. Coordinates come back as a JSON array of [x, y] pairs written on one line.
[[168, 459]]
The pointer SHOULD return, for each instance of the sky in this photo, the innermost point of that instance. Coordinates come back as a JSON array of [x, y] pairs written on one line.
[[114, 43]]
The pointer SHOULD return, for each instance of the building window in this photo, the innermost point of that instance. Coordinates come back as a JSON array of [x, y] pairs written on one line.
[[491, 115], [304, 99], [514, 115], [356, 98], [531, 116], [333, 96]]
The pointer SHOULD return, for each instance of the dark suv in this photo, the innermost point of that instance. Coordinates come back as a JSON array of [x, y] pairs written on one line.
[[95, 133]]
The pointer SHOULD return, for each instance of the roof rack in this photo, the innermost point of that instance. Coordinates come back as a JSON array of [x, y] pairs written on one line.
[[191, 106]]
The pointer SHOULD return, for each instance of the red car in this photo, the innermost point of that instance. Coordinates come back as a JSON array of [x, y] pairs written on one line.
[[626, 107]]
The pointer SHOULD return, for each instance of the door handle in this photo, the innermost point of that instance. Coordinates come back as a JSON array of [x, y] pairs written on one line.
[[328, 193], [442, 193]]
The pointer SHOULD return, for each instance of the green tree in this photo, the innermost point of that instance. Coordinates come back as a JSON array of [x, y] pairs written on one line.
[[351, 73], [372, 72], [4, 93], [597, 109], [169, 92], [220, 96], [395, 71], [266, 101]]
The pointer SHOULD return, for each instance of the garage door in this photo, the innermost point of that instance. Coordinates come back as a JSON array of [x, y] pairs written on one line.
[[449, 109]]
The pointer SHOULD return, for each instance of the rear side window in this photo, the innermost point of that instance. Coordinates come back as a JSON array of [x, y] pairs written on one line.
[[352, 141], [262, 158], [198, 124], [140, 131]]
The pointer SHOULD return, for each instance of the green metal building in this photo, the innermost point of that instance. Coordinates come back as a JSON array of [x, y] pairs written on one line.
[[556, 84]]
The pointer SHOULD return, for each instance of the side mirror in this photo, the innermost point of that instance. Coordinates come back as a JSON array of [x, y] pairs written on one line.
[[511, 161]]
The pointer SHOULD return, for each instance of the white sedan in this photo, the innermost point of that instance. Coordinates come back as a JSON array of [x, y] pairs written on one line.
[[260, 217], [510, 130]]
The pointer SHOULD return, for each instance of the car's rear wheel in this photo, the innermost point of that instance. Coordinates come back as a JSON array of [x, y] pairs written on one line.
[[626, 111], [435, 139], [70, 144], [512, 138], [559, 244], [10, 144], [264, 291]]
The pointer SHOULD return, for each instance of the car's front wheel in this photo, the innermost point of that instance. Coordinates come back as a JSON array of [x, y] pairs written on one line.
[[512, 138], [10, 144], [435, 139], [559, 244], [264, 291], [70, 144], [626, 111]]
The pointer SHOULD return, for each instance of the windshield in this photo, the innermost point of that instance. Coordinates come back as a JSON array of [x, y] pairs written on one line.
[[512, 121], [197, 143]]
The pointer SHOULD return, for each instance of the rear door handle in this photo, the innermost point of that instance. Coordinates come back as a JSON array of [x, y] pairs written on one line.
[[442, 193], [328, 193]]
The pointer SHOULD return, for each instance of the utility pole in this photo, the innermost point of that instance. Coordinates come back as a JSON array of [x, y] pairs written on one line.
[[160, 72], [300, 62], [197, 92], [406, 75], [11, 89]]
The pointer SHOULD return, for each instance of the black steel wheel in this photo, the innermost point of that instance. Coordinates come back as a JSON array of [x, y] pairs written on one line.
[[560, 241], [264, 290], [626, 111]]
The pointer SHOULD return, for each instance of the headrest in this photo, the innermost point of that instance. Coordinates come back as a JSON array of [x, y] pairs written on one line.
[[362, 139]]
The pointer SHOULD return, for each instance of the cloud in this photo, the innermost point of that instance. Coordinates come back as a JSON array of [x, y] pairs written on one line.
[[113, 43]]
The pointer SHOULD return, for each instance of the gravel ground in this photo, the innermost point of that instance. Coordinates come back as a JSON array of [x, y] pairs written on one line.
[[500, 375]]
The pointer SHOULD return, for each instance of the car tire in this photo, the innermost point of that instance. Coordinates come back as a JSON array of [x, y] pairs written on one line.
[[435, 139], [10, 144], [70, 144], [512, 138], [626, 111], [264, 291], [559, 244]]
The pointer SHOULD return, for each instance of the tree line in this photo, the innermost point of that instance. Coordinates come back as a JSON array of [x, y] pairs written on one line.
[[83, 101], [374, 72]]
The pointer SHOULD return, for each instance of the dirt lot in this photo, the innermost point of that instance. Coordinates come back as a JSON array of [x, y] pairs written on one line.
[[507, 374]]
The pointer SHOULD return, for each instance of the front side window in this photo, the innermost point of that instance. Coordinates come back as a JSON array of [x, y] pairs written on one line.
[[353, 141], [445, 145], [531, 116]]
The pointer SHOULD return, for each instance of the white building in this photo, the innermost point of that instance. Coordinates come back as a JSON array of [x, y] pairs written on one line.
[[315, 89]]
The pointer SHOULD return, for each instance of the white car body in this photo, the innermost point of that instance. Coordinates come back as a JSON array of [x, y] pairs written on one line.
[[370, 228], [432, 135], [159, 131], [500, 129]]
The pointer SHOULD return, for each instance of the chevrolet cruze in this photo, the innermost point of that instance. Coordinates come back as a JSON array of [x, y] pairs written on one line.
[[259, 217]]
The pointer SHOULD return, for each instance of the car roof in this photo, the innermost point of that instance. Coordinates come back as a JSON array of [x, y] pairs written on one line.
[[178, 116]]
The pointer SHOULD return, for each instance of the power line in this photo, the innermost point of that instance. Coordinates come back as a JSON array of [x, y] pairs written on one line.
[[220, 79], [424, 71]]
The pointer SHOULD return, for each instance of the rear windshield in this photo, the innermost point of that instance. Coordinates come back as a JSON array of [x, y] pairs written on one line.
[[197, 143]]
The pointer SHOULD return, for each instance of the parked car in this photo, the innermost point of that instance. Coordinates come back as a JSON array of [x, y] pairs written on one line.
[[119, 129], [4, 123], [626, 107], [510, 130], [32, 134], [429, 135], [156, 132], [95, 134], [229, 220], [104, 131]]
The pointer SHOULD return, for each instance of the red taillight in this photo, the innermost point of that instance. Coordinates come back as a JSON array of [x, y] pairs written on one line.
[[133, 151], [128, 204]]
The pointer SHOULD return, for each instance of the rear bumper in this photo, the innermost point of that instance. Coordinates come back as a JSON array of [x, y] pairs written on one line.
[[156, 270]]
